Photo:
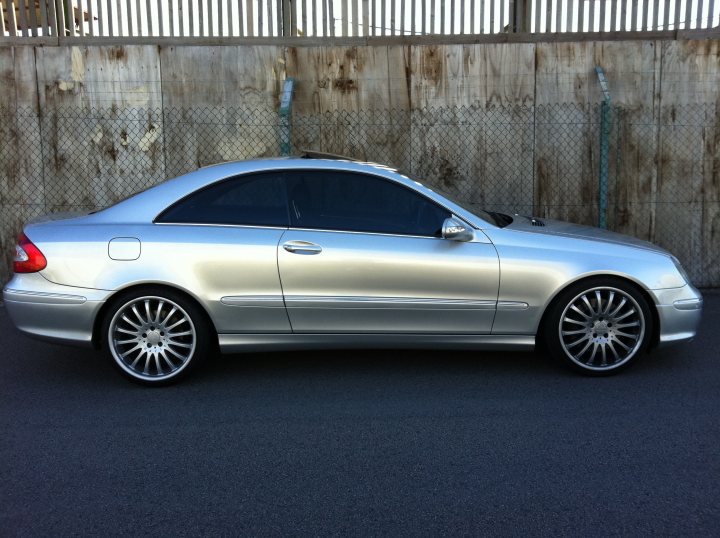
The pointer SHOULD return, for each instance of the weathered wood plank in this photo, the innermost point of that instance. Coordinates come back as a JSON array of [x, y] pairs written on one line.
[[52, 18], [356, 22], [101, 18], [345, 103], [565, 177], [689, 189], [468, 102], [366, 17], [250, 17], [109, 17], [22, 194], [3, 26], [656, 15], [558, 16], [700, 23], [44, 22], [161, 20], [462, 28], [482, 16], [32, 18], [22, 18], [581, 16], [632, 70], [452, 16], [548, 16], [688, 16], [91, 18], [214, 99], [138, 18], [114, 93], [711, 13], [241, 19], [261, 19]]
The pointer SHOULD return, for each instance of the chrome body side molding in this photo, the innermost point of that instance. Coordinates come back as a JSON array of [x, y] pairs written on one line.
[[386, 302]]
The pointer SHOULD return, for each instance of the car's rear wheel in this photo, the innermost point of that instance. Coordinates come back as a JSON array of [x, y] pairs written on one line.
[[155, 336], [599, 326]]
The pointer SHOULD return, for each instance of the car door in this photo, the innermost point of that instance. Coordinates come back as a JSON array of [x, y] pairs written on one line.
[[364, 255], [221, 242]]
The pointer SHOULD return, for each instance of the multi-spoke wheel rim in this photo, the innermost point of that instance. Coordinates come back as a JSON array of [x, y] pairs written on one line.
[[152, 338], [602, 328]]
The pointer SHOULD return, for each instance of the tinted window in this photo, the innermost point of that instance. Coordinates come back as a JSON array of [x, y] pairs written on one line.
[[255, 200], [357, 202]]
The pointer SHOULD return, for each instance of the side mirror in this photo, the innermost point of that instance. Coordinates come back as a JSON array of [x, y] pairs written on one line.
[[454, 230]]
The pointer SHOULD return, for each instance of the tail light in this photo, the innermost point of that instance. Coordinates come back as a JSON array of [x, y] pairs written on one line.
[[28, 258]]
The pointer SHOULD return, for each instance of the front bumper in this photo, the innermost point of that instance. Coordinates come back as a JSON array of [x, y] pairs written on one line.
[[51, 311], [679, 312]]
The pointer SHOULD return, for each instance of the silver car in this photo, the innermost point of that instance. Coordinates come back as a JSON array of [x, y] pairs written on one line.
[[292, 253]]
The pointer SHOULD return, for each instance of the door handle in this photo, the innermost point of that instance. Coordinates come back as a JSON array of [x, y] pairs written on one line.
[[302, 247]]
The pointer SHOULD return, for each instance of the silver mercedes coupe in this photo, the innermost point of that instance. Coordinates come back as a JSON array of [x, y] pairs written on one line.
[[293, 253]]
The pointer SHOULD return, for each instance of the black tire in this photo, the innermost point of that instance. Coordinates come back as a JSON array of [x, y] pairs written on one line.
[[599, 326], [155, 336]]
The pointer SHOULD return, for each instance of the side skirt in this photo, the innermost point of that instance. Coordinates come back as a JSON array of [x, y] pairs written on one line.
[[238, 343]]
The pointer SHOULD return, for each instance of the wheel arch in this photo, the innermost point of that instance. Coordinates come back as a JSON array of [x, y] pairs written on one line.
[[654, 337], [154, 286]]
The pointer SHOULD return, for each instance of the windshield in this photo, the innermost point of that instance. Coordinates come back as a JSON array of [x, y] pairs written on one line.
[[498, 219]]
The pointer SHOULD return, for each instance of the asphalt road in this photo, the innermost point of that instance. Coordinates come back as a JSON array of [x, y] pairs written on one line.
[[361, 443]]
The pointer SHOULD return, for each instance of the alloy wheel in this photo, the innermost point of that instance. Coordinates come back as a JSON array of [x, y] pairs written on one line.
[[602, 328], [152, 338]]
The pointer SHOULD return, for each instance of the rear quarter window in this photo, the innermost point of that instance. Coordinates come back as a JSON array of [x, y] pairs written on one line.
[[255, 200]]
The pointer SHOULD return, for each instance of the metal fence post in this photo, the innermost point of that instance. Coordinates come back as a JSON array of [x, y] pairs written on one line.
[[604, 148], [285, 119]]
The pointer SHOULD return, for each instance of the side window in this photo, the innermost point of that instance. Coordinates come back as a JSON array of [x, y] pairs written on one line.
[[362, 203], [258, 199]]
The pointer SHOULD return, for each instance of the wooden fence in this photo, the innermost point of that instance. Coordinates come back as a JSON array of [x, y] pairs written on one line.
[[40, 20]]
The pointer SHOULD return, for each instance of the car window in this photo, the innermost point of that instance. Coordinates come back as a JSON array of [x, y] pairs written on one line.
[[258, 200], [336, 200]]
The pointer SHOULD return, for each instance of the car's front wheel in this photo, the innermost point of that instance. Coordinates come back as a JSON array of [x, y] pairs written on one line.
[[155, 336], [600, 326]]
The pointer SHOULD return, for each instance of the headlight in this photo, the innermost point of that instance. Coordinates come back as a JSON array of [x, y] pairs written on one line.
[[680, 269]]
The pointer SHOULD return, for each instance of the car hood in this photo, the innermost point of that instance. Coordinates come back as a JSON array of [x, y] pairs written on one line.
[[568, 229]]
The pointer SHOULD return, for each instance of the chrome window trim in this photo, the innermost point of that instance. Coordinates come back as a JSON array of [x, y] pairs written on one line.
[[252, 226], [328, 230], [386, 234]]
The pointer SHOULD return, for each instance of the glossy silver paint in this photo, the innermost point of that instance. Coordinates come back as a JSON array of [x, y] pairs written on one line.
[[283, 288]]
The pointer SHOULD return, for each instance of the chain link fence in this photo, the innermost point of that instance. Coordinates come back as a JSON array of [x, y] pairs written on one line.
[[662, 182]]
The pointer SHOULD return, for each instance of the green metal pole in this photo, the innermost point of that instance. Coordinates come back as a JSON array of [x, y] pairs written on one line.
[[604, 162], [285, 117], [604, 149]]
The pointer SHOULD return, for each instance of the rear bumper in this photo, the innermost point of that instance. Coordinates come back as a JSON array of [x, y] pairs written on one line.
[[679, 312], [53, 312]]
